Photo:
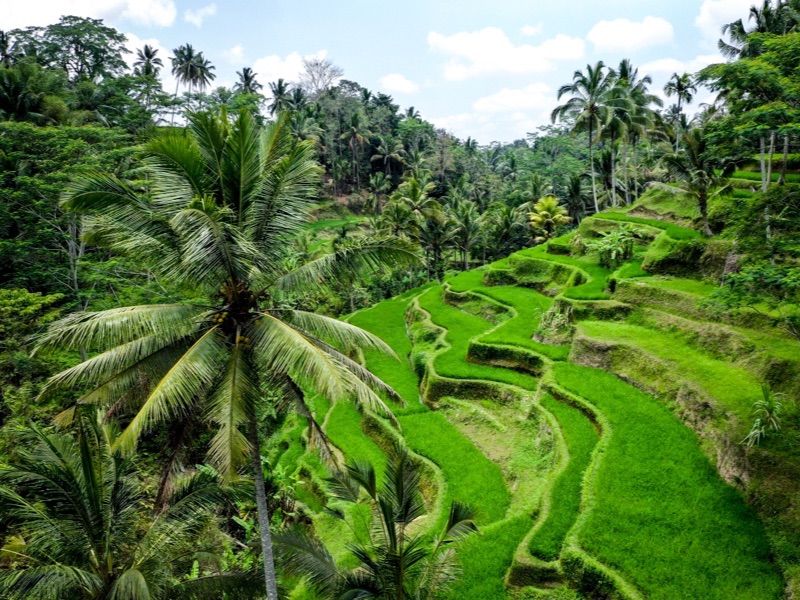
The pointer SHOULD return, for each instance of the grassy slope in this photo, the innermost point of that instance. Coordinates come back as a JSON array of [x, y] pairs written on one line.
[[732, 386], [663, 516], [581, 437]]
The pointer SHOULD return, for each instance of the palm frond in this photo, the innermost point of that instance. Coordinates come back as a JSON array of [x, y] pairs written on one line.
[[338, 333], [354, 260], [302, 554], [231, 406], [195, 371], [108, 328]]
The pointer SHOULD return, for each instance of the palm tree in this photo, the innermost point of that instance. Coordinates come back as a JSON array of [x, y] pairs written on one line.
[[779, 19], [398, 561], [280, 96], [380, 186], [147, 64], [297, 101], [247, 84], [469, 228], [389, 151], [587, 106], [414, 194], [683, 87], [575, 198], [225, 204], [74, 510], [202, 74], [356, 135], [397, 218], [548, 215], [696, 172]]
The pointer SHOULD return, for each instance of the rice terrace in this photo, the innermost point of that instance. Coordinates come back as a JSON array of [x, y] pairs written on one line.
[[270, 335]]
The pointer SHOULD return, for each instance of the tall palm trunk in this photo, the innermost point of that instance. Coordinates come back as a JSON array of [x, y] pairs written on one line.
[[703, 201], [773, 138], [591, 170], [613, 174], [678, 126], [270, 578], [785, 161], [763, 159]]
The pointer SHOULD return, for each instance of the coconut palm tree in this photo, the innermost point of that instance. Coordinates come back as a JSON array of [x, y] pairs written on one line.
[[224, 205], [147, 64], [202, 74], [397, 218], [696, 173], [469, 228], [280, 96], [380, 185], [74, 512], [683, 87], [356, 135], [587, 106], [414, 194], [247, 84], [575, 197], [398, 561], [389, 151], [547, 215]]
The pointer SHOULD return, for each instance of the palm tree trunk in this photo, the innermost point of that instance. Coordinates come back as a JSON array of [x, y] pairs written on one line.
[[613, 174], [763, 152], [704, 213], [773, 138], [678, 126], [175, 108], [785, 161], [263, 514], [591, 170]]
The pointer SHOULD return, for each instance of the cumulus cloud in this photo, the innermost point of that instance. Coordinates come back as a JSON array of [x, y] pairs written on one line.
[[15, 14], [234, 55], [395, 82], [273, 67], [627, 35], [490, 127], [537, 96], [490, 52], [673, 65], [716, 13], [531, 30], [196, 16]]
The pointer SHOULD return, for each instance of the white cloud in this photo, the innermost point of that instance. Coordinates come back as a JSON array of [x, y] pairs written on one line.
[[395, 82], [627, 35], [15, 14], [273, 67], [669, 66], [234, 55], [537, 96], [531, 30], [491, 127], [490, 52], [716, 13], [196, 16]]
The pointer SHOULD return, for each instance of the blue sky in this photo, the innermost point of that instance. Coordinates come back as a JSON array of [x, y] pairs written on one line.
[[489, 70]]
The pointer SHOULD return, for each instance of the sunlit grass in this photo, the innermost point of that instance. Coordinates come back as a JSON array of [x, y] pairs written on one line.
[[581, 438], [662, 515]]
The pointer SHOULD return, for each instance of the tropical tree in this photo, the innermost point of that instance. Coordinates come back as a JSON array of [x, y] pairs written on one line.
[[74, 509], [697, 173], [147, 64], [414, 194], [224, 205], [469, 228], [398, 560], [389, 151], [191, 68], [380, 185], [587, 107], [575, 197], [280, 91], [547, 216], [356, 135], [683, 87], [435, 233], [247, 84]]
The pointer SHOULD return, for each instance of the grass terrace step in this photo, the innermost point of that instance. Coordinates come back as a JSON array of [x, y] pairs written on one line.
[[658, 512]]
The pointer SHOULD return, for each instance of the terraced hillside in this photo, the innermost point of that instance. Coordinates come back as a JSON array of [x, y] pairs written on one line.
[[592, 418]]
